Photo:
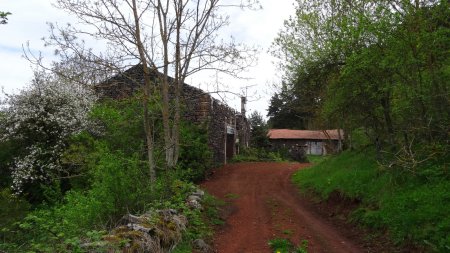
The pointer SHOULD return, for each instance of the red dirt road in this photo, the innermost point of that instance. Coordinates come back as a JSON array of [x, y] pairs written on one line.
[[265, 205]]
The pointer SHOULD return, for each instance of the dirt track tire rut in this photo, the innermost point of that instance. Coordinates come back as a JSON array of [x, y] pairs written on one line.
[[266, 206]]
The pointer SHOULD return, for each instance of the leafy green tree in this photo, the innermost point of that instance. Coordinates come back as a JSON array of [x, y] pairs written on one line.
[[372, 64], [4, 17], [298, 103], [259, 130], [285, 110]]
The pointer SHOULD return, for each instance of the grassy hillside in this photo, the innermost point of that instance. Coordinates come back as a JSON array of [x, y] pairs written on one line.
[[411, 209]]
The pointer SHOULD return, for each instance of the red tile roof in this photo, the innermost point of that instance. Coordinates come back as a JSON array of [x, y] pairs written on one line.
[[304, 134]]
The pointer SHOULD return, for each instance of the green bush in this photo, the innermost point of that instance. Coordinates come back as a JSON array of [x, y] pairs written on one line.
[[12, 209], [122, 179], [121, 123], [195, 155], [119, 185], [360, 139], [261, 155], [424, 218]]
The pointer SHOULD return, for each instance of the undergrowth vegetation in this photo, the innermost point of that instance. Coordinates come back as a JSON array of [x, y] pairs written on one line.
[[315, 159], [412, 209], [261, 155], [107, 177]]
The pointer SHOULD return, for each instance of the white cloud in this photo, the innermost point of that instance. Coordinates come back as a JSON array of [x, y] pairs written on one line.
[[27, 24]]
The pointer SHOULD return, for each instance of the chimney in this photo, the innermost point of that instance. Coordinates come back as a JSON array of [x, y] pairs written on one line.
[[243, 103]]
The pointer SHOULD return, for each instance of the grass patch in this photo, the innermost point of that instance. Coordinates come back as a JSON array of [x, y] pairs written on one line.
[[287, 232], [281, 245], [201, 224], [231, 196], [184, 247], [212, 207], [316, 159], [410, 209]]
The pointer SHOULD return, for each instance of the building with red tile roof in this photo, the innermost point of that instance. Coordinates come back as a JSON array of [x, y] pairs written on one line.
[[315, 142]]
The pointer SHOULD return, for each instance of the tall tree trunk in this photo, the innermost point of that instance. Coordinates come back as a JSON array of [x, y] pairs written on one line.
[[179, 81], [176, 128], [168, 145], [149, 139], [147, 91], [165, 109], [386, 104]]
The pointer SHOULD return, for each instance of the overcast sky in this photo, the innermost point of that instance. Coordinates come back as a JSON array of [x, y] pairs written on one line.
[[28, 24]]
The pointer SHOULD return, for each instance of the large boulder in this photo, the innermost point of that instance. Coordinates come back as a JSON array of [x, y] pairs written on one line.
[[153, 232]]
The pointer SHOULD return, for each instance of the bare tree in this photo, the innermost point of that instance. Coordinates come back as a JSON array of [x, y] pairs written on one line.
[[171, 39]]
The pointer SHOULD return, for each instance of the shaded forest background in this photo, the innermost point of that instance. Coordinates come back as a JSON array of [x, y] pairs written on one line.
[[377, 67]]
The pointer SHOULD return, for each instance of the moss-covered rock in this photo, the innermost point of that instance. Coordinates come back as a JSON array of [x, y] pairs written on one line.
[[155, 232]]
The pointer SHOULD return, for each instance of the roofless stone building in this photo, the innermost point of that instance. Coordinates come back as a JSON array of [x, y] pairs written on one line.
[[227, 129]]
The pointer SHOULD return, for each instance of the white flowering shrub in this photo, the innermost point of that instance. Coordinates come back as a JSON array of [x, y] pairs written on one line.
[[42, 117]]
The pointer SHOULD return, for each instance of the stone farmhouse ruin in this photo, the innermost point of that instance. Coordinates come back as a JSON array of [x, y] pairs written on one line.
[[227, 129]]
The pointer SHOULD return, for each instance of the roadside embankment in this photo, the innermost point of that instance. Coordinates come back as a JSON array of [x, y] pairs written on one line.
[[412, 210]]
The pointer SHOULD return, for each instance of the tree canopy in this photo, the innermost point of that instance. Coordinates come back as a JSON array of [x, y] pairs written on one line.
[[259, 130], [377, 65]]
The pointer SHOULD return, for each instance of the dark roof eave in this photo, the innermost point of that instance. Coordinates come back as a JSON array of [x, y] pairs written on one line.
[[325, 139]]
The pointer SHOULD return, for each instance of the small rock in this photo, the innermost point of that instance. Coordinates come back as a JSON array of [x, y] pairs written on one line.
[[129, 218], [202, 246], [193, 198], [139, 228], [193, 203], [180, 221], [199, 193], [167, 212]]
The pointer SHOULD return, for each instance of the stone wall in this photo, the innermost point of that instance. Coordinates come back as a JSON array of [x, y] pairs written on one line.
[[203, 109], [198, 107], [121, 85], [221, 116]]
